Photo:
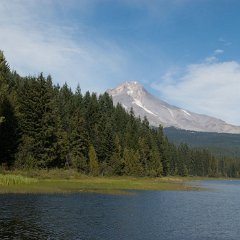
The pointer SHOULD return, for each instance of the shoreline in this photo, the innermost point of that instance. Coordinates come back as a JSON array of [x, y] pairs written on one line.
[[70, 181]]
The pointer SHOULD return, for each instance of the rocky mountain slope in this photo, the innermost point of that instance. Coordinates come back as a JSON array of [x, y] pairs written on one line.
[[132, 94]]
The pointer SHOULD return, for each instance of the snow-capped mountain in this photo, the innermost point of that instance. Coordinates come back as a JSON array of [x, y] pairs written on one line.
[[132, 94]]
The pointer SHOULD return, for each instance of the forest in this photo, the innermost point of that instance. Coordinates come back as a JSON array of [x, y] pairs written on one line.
[[45, 126], [220, 144]]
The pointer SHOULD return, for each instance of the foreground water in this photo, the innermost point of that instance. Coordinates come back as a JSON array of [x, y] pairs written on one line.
[[146, 215]]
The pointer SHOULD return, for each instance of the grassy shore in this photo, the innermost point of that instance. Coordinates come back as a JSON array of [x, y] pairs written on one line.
[[68, 181]]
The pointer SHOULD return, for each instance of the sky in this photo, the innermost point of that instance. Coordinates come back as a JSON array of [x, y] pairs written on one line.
[[185, 52]]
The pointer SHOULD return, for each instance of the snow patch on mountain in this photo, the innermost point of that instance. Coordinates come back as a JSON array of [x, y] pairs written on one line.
[[130, 92], [187, 113], [141, 105]]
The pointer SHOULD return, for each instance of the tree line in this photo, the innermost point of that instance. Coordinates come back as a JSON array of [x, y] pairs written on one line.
[[43, 125]]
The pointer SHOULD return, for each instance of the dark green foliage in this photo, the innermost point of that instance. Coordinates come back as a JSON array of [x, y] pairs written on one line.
[[221, 144], [47, 126], [78, 142], [8, 133], [8, 119], [155, 168], [144, 152], [93, 161], [116, 162], [183, 160], [40, 120], [132, 164]]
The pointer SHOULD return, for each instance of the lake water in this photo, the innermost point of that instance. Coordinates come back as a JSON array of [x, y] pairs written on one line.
[[146, 215]]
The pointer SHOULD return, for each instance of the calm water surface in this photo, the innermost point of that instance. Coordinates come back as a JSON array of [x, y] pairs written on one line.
[[148, 215]]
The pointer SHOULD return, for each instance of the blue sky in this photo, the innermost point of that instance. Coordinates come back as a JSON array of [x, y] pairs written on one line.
[[183, 51]]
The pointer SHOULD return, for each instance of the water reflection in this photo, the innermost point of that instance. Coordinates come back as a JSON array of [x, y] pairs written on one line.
[[148, 215]]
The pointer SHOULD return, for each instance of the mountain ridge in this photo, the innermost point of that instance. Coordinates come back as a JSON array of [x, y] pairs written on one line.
[[134, 95]]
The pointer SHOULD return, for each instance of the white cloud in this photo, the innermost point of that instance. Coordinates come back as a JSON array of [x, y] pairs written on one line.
[[218, 51], [211, 88], [214, 58], [211, 59], [34, 41]]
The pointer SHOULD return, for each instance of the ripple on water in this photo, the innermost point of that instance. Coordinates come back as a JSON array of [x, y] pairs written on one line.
[[148, 215]]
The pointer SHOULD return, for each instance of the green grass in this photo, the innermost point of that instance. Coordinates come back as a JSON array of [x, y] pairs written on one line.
[[69, 181], [11, 179]]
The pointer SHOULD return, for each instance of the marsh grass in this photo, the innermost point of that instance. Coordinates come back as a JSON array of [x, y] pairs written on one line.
[[68, 181], [11, 179]]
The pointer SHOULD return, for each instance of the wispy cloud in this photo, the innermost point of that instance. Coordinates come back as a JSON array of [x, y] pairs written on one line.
[[218, 51], [209, 87], [225, 42], [34, 40], [215, 56]]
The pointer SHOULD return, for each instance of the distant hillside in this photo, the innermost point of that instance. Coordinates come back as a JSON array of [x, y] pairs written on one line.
[[219, 143]]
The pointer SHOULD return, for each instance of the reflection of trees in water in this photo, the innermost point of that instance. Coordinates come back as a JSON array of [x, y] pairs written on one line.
[[16, 228]]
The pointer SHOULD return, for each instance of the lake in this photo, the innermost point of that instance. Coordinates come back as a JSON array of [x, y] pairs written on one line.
[[147, 215]]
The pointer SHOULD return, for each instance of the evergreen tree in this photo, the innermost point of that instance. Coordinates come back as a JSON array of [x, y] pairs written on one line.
[[93, 161], [183, 159], [116, 161], [8, 119], [78, 142], [104, 140], [105, 104], [165, 153], [144, 152], [66, 106], [8, 133], [132, 164], [40, 120], [156, 169], [120, 119], [131, 133]]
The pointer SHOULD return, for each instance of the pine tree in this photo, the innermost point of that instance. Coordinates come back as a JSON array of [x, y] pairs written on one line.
[[132, 164], [8, 119], [91, 114], [165, 153], [40, 120], [116, 161], [165, 150], [65, 101], [8, 133], [78, 142], [155, 165], [120, 119], [93, 161], [131, 133], [104, 139], [105, 104], [144, 152], [78, 100], [183, 159], [4, 72]]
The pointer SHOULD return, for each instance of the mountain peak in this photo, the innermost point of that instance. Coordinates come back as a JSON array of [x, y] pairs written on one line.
[[131, 85], [132, 94], [131, 88]]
